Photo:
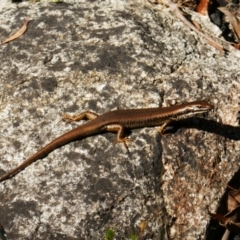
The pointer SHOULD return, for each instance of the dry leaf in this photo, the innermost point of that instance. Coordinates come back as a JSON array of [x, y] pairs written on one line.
[[19, 33], [218, 217], [234, 21], [231, 220], [233, 200], [236, 194]]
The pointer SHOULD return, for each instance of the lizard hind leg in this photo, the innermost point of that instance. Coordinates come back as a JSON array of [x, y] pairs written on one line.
[[120, 134], [88, 115]]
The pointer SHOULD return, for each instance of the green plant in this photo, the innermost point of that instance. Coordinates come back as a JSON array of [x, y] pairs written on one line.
[[133, 237], [109, 235]]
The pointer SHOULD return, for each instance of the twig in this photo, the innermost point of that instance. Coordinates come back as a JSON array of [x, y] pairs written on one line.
[[233, 19], [19, 33], [174, 8], [226, 235], [202, 7]]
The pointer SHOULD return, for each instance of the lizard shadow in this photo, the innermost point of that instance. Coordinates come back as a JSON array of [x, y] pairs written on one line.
[[224, 130]]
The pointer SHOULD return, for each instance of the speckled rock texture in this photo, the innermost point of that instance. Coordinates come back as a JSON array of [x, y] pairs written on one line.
[[99, 56]]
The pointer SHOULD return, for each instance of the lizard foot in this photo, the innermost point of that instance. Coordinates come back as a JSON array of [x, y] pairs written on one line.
[[125, 141], [68, 118]]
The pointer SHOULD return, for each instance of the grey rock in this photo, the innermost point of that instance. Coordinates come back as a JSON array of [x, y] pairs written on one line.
[[99, 56]]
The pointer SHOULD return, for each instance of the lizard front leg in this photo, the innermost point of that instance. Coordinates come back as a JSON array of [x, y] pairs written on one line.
[[163, 126], [88, 115]]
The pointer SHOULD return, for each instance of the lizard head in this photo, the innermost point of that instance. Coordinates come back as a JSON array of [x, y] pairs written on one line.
[[192, 108]]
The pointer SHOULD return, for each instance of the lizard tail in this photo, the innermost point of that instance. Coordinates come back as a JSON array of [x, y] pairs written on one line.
[[64, 139]]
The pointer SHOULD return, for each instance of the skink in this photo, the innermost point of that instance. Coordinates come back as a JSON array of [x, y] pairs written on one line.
[[116, 121]]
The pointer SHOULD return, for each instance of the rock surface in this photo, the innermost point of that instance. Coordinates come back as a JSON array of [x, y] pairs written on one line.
[[100, 56]]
